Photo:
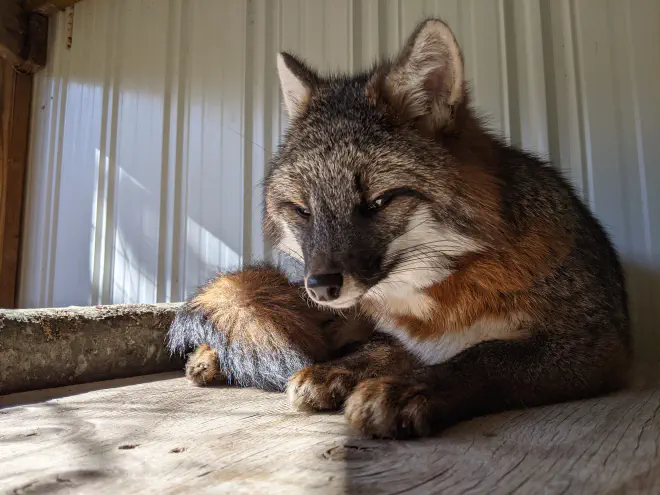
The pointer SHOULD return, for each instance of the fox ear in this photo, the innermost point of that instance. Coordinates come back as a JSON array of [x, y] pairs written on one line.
[[297, 82], [425, 82]]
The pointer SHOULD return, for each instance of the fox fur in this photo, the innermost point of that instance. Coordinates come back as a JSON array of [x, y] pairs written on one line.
[[473, 278]]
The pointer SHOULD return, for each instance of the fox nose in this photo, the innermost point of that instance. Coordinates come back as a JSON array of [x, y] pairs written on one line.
[[325, 286]]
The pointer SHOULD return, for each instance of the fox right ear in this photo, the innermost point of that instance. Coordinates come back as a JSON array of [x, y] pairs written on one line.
[[297, 82], [425, 83]]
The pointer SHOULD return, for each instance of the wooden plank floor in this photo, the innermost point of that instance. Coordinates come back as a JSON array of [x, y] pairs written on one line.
[[159, 434]]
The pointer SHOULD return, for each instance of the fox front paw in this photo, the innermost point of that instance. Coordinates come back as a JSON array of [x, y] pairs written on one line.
[[389, 408], [202, 365], [320, 387]]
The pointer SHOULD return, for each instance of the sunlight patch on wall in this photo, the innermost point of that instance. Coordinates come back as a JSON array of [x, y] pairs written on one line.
[[206, 255]]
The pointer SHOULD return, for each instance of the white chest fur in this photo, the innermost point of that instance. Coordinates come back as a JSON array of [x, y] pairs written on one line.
[[405, 300], [449, 344]]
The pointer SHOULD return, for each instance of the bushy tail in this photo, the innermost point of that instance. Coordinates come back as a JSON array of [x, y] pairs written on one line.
[[259, 323]]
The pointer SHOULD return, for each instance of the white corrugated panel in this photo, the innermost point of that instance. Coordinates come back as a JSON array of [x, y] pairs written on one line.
[[152, 133]]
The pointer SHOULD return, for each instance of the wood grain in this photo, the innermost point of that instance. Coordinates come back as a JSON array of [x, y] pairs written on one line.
[[15, 98], [166, 436]]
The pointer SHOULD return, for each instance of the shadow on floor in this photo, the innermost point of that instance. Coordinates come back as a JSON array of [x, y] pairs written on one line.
[[34, 396]]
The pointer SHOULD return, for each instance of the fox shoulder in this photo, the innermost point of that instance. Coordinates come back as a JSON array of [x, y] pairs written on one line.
[[258, 325]]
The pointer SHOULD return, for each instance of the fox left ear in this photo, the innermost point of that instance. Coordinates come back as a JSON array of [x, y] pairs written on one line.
[[297, 82], [425, 83]]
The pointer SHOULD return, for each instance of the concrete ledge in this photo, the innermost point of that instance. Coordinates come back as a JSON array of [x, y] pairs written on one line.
[[42, 348]]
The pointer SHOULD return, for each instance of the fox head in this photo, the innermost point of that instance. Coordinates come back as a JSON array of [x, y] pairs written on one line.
[[373, 187]]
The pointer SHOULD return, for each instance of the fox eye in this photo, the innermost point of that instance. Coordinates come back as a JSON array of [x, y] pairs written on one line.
[[302, 212], [380, 202]]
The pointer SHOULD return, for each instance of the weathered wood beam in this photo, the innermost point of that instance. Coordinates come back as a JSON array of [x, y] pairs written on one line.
[[15, 99], [41, 348], [23, 41], [47, 7]]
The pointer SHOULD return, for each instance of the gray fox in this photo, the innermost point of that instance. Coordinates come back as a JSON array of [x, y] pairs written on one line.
[[447, 274]]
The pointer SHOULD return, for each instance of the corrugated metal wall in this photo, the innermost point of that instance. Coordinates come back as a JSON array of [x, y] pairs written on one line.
[[152, 132]]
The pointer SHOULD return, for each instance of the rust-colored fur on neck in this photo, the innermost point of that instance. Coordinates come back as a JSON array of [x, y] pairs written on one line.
[[493, 283]]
